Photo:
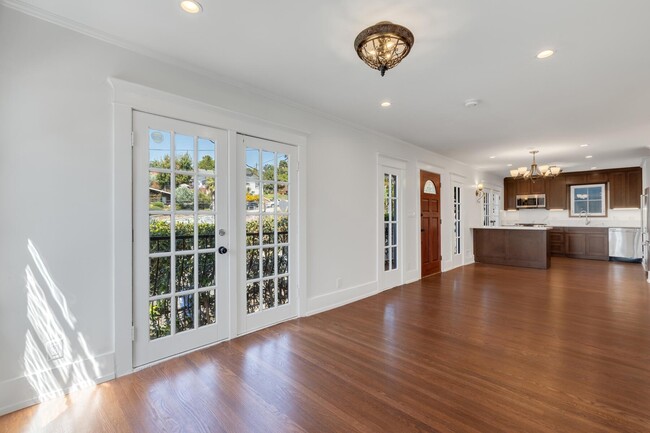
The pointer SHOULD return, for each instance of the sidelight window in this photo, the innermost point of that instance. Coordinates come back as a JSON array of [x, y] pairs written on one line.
[[457, 219], [390, 221]]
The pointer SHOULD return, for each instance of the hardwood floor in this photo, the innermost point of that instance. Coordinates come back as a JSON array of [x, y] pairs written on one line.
[[482, 348]]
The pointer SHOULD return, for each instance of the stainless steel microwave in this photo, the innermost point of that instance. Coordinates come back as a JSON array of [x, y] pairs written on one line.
[[531, 201]]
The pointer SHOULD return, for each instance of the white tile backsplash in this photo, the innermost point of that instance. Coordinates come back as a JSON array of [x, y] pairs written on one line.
[[614, 218]]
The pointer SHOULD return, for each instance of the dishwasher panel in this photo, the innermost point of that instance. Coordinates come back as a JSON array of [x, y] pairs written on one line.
[[625, 243]]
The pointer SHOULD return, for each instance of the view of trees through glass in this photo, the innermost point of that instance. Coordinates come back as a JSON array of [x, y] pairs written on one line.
[[267, 229], [182, 260]]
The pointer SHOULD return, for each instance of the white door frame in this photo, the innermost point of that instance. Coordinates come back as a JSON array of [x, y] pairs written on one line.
[[128, 97], [396, 166]]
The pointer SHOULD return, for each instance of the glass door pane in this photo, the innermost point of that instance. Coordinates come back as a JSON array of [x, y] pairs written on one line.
[[269, 209]]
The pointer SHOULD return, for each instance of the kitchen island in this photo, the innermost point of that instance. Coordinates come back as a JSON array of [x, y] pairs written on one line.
[[526, 247]]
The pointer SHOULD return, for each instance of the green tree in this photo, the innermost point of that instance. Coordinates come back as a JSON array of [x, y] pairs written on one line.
[[268, 172], [283, 170], [184, 197], [206, 163], [163, 180]]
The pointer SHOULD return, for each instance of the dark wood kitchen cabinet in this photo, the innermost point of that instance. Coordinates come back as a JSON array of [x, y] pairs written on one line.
[[537, 187], [556, 241], [577, 178], [597, 176], [514, 187], [556, 193], [509, 194], [625, 188], [586, 243], [625, 185], [527, 187], [523, 186], [527, 248]]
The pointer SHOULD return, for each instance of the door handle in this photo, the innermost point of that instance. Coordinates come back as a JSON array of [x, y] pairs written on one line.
[[222, 250]]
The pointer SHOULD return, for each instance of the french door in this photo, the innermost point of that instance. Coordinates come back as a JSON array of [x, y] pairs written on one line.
[[180, 238], [268, 205]]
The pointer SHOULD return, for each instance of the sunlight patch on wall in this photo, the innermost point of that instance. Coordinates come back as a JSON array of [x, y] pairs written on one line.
[[56, 354]]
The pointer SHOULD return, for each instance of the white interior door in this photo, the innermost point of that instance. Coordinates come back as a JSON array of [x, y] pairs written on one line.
[[268, 207], [180, 222]]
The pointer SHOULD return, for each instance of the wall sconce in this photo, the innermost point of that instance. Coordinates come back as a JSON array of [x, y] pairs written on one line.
[[479, 192]]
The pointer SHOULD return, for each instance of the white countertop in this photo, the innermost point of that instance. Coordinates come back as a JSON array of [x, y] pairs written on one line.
[[514, 228]]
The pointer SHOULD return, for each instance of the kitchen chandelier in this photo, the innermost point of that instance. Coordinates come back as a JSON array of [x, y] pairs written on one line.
[[384, 45], [535, 172]]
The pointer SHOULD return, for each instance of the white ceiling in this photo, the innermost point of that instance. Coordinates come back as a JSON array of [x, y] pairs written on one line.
[[595, 90]]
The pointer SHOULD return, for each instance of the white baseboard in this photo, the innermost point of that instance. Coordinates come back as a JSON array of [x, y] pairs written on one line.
[[411, 276], [321, 303], [22, 391]]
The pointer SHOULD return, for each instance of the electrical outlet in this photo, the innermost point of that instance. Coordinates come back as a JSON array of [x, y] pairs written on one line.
[[54, 349], [339, 282]]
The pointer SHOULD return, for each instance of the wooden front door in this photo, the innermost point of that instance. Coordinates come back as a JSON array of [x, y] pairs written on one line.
[[430, 222]]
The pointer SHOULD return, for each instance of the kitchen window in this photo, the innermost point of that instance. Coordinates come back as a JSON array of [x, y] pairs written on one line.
[[588, 200]]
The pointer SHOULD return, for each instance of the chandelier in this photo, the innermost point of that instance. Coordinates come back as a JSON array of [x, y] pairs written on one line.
[[384, 45], [535, 172]]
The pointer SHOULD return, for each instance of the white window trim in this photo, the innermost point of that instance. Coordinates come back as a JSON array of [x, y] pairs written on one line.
[[603, 187], [128, 97]]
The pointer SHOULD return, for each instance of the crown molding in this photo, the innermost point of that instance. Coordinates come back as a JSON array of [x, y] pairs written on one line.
[[108, 38]]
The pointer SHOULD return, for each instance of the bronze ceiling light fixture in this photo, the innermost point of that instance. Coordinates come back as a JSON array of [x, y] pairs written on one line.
[[535, 172], [384, 45]]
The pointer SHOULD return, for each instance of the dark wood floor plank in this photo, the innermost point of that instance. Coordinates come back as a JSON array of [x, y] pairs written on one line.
[[478, 349]]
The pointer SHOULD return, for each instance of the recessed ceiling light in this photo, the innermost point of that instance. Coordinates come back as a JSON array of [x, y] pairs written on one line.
[[593, 168], [509, 165], [588, 157], [545, 54], [385, 104], [191, 6], [584, 145], [492, 157]]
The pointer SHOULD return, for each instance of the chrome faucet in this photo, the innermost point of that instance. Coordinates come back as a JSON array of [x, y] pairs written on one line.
[[586, 215]]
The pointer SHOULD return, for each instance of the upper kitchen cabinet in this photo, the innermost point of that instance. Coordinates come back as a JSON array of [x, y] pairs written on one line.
[[625, 188], [537, 187], [556, 197], [597, 176], [578, 178], [527, 187], [509, 194], [523, 186]]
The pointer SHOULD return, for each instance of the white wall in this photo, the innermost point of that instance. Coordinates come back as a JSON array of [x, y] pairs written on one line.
[[55, 189]]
